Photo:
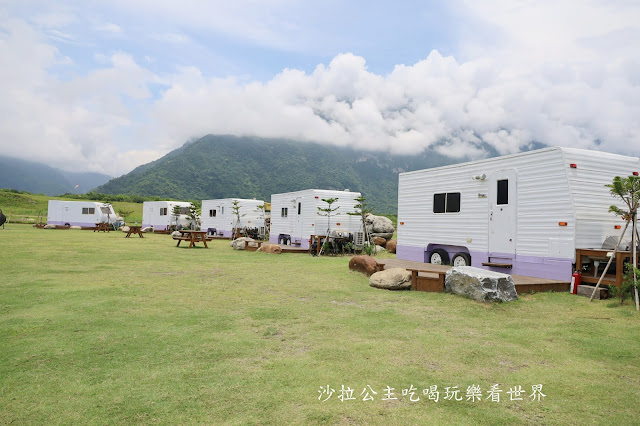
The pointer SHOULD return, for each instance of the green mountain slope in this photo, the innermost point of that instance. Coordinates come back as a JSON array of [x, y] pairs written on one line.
[[40, 178], [228, 166]]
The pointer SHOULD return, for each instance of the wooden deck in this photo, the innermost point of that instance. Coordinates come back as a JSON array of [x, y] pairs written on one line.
[[429, 281]]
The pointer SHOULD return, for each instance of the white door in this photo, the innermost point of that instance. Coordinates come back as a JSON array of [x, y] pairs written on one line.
[[502, 213], [297, 231]]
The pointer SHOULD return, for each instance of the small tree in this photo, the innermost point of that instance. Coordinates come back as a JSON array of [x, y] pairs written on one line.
[[362, 210], [124, 213], [262, 209], [628, 190], [235, 210], [328, 211], [193, 216], [175, 215]]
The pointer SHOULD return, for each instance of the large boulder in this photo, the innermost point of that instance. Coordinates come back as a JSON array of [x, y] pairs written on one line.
[[379, 241], [365, 264], [391, 279], [238, 243], [391, 246], [270, 248], [382, 225], [480, 284]]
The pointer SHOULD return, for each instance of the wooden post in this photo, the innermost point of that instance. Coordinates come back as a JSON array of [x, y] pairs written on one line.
[[634, 260]]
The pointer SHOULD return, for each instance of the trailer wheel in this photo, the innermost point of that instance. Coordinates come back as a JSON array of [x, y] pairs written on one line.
[[461, 259], [439, 257]]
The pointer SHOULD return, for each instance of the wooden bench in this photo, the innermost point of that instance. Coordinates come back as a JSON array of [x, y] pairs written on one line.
[[432, 278], [247, 247]]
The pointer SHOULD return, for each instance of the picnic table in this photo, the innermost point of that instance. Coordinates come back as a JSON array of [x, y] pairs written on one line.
[[193, 237], [104, 227], [134, 230]]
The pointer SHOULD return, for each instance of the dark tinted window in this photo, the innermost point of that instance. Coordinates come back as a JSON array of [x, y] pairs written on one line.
[[453, 202], [299, 208], [439, 203], [503, 192]]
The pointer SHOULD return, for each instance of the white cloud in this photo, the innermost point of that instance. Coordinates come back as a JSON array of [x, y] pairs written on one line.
[[560, 75], [110, 28]]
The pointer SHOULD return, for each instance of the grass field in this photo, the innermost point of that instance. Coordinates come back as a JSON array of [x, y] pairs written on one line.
[[96, 328]]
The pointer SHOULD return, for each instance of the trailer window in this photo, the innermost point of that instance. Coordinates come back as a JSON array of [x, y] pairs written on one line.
[[453, 202], [163, 211], [446, 202], [503, 192], [105, 210], [284, 212], [184, 210], [212, 213], [299, 208], [88, 210]]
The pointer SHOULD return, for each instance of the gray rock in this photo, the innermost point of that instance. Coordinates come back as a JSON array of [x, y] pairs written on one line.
[[49, 226], [386, 236], [383, 225], [176, 234], [391, 279], [379, 249], [125, 229], [238, 243], [480, 284], [147, 229], [76, 227]]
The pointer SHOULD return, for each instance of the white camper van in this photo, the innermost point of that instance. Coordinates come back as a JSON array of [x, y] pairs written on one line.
[[79, 213], [159, 214], [294, 215], [522, 214], [218, 218]]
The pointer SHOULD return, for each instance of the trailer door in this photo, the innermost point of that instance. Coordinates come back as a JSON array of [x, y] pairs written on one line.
[[297, 232], [502, 213]]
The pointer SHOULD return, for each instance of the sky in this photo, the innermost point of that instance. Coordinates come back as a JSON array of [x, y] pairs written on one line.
[[105, 86]]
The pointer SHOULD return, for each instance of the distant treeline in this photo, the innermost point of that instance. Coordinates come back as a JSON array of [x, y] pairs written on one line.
[[105, 198]]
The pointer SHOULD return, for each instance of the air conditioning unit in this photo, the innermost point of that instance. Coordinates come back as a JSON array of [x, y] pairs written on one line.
[[358, 238]]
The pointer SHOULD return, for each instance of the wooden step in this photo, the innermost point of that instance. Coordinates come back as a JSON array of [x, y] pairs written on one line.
[[498, 265]]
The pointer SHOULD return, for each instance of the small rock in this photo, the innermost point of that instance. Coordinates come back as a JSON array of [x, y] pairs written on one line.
[[49, 226], [391, 279], [391, 246], [386, 236], [365, 264], [147, 229], [270, 248], [379, 241], [125, 229], [379, 249], [238, 243], [76, 227], [176, 234]]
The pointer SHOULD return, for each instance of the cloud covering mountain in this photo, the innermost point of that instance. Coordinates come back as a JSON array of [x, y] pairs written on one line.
[[507, 74]]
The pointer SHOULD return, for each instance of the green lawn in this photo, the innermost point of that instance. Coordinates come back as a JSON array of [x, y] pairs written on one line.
[[96, 328], [17, 206]]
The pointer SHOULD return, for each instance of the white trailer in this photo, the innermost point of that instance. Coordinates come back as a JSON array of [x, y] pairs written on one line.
[[218, 218], [159, 214], [79, 213], [522, 214], [294, 215]]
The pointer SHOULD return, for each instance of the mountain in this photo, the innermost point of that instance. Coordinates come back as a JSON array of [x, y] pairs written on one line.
[[224, 166], [40, 178]]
